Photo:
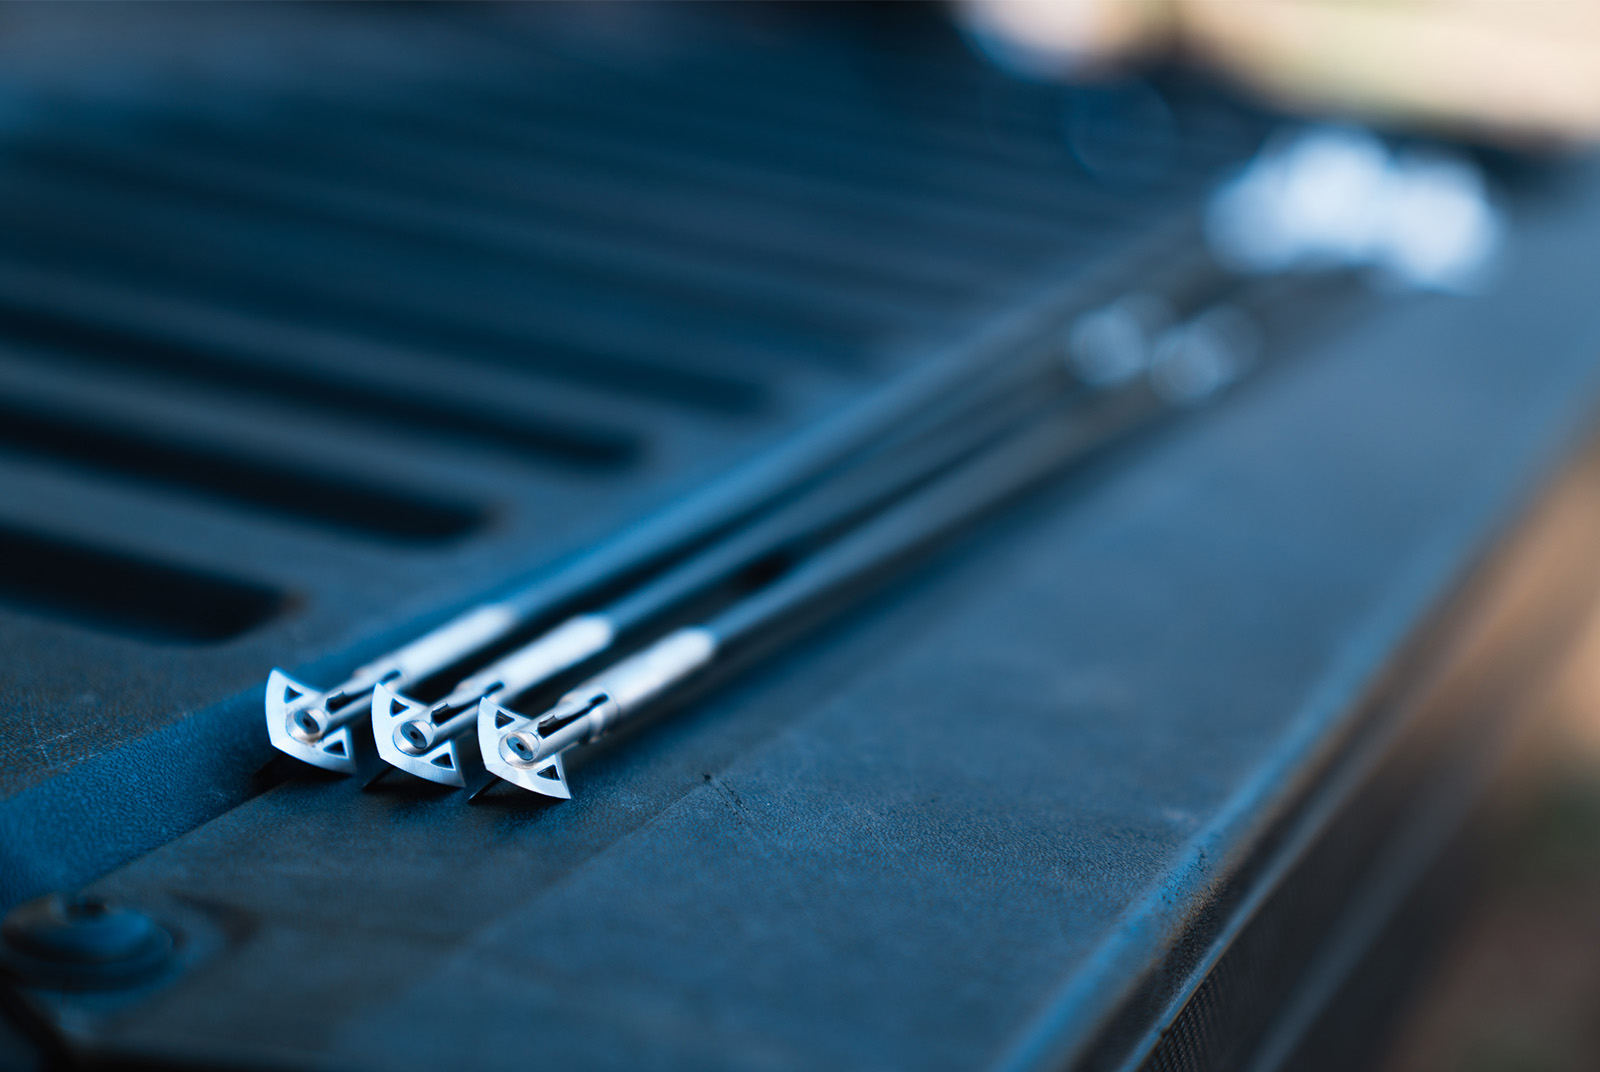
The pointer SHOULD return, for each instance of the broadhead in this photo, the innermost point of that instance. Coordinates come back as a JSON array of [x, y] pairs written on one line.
[[297, 724], [409, 738], [508, 741]]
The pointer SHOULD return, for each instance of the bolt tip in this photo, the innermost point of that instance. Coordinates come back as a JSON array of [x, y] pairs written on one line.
[[413, 737], [520, 748]]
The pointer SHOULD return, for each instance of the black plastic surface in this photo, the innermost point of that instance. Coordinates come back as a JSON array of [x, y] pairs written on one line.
[[498, 279], [1009, 814], [960, 830]]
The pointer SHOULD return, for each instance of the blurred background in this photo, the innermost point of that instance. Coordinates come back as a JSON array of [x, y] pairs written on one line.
[[1517, 989], [1517, 986]]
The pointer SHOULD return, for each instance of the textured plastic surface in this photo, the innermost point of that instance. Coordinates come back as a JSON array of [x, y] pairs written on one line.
[[961, 829], [539, 275], [1040, 804]]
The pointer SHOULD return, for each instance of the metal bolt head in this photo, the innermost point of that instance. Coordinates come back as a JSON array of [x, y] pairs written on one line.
[[414, 737], [308, 724], [520, 749], [81, 943]]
